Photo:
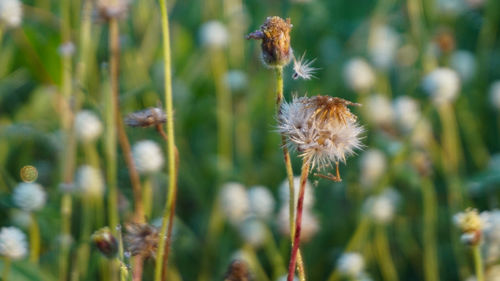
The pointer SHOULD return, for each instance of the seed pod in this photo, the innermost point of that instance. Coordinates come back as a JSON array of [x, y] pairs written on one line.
[[105, 242]]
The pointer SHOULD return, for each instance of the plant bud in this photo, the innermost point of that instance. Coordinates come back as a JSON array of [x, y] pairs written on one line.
[[105, 242]]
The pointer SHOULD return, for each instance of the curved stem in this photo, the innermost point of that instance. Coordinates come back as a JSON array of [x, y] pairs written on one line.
[[34, 239], [387, 267], [298, 220], [429, 205], [168, 214], [6, 269], [478, 263]]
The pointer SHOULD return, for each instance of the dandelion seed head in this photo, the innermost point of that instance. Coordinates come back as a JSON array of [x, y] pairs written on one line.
[[213, 34], [88, 126], [234, 202], [358, 75], [302, 68], [406, 112], [275, 36], [261, 202], [148, 157], [236, 80], [148, 117], [464, 63], [384, 41], [67, 49], [253, 231], [373, 164], [321, 128], [442, 84], [13, 244], [89, 181], [11, 12], [379, 110], [381, 208], [351, 264], [29, 196]]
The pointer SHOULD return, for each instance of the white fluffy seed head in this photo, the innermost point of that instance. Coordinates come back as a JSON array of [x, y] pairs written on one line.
[[148, 157], [378, 110], [285, 277], [234, 202], [383, 44], [351, 264], [88, 126], [491, 234], [406, 112], [373, 164], [284, 193], [261, 202], [358, 75], [13, 243], [11, 12], [464, 63], [495, 94], [253, 231], [321, 128], [442, 84], [236, 80], [381, 208], [29, 196], [213, 34], [310, 223], [89, 181]]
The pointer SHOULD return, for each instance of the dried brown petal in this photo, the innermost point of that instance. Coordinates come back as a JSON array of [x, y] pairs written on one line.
[[141, 239], [146, 118]]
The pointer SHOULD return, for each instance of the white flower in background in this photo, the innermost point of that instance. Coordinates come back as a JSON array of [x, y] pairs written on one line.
[[13, 243], [464, 63], [11, 12], [450, 7], [234, 202], [381, 208], [88, 126], [373, 164], [214, 34], [383, 44], [302, 68], [236, 80], [20, 218], [310, 223], [243, 256], [108, 9], [285, 277], [261, 202], [495, 94], [67, 49], [442, 84], [351, 264], [491, 234], [284, 193], [29, 196], [471, 224], [253, 231], [358, 75], [148, 157], [406, 112], [378, 110], [89, 181]]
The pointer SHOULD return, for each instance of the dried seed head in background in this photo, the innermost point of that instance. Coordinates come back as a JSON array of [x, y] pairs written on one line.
[[105, 242], [107, 9], [141, 239], [237, 271], [146, 118], [275, 36], [321, 128]]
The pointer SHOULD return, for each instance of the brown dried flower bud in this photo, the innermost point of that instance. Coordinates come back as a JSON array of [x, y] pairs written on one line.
[[237, 271], [105, 242], [275, 36], [141, 239], [146, 118]]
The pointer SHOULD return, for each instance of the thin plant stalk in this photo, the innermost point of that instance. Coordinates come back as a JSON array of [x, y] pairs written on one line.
[[386, 263], [478, 262], [168, 214], [429, 206], [34, 239], [147, 196], [6, 268], [114, 38], [298, 220]]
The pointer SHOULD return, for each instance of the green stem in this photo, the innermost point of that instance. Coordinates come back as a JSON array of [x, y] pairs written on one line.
[[274, 255], [478, 263], [34, 239], [147, 196], [388, 269], [429, 206], [6, 269], [66, 209], [163, 247]]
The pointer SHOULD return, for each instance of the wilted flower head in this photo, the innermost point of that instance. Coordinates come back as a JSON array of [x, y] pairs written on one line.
[[108, 9], [309, 227], [148, 157], [321, 128], [213, 34], [384, 41], [379, 110], [88, 127], [406, 112], [13, 243], [104, 240], [11, 12], [381, 207], [29, 196], [253, 231], [148, 117], [470, 224], [284, 193], [234, 201], [358, 75], [275, 36], [464, 63], [442, 84], [261, 201], [302, 68], [89, 181], [238, 271], [351, 264], [141, 239], [495, 94], [373, 164]]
